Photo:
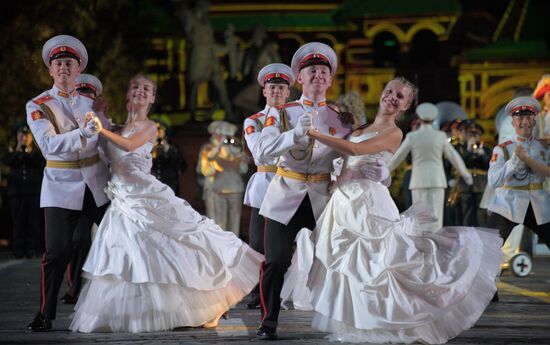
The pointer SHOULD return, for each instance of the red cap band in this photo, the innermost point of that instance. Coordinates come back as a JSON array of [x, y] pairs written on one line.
[[315, 58], [276, 76], [522, 108], [64, 50], [87, 85]]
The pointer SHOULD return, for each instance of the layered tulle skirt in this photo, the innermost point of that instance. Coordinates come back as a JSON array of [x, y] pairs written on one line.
[[156, 264]]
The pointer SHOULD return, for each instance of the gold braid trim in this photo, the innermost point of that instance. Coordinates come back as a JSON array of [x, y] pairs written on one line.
[[50, 116]]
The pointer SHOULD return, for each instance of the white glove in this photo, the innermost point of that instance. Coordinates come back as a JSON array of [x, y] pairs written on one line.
[[468, 179], [451, 183], [337, 165], [305, 122], [92, 127], [377, 172]]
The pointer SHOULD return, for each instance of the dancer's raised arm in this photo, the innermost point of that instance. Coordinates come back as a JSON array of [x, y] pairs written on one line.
[[389, 141], [147, 131]]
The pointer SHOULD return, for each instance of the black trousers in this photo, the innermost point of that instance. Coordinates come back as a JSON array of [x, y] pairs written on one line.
[[256, 238], [278, 244], [473, 215], [505, 226], [82, 234], [60, 227], [256, 230]]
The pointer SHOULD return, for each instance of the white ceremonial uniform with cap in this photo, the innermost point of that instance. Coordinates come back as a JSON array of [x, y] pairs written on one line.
[[520, 198], [428, 182], [64, 187], [259, 181], [517, 186], [285, 194], [257, 184], [299, 191], [74, 178]]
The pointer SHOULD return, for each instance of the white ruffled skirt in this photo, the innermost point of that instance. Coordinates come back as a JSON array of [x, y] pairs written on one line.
[[374, 276], [156, 264]]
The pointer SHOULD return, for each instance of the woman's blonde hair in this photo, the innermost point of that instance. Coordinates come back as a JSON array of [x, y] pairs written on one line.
[[352, 102], [414, 90]]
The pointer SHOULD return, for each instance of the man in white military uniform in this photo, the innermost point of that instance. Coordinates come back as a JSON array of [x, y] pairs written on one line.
[[90, 86], [299, 192], [75, 177], [427, 147], [519, 196], [276, 80]]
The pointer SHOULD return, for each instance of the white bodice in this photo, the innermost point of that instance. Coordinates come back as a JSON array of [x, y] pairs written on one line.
[[131, 165], [354, 162]]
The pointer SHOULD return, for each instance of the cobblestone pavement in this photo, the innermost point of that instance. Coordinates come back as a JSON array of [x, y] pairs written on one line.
[[521, 317]]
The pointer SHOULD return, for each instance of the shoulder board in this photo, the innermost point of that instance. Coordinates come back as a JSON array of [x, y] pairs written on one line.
[[42, 100], [292, 104], [506, 143], [255, 116]]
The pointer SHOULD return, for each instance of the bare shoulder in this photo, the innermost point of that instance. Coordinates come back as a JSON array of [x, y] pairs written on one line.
[[145, 125], [150, 124], [392, 133], [395, 131]]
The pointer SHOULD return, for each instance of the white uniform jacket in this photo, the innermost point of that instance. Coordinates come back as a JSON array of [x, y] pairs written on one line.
[[259, 181], [516, 185], [284, 195], [427, 147], [63, 187]]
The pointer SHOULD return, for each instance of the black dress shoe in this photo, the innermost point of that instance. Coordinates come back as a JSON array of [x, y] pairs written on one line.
[[495, 297], [68, 299], [254, 303], [267, 333], [40, 324]]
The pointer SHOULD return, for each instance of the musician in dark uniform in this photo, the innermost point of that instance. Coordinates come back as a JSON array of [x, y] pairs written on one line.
[[476, 156], [23, 191], [168, 164]]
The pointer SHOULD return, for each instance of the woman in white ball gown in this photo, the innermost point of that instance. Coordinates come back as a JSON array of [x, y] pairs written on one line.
[[155, 263], [374, 276]]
